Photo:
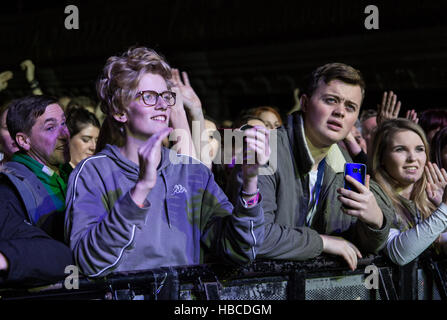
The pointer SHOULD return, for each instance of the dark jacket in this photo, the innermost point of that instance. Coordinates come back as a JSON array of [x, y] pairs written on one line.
[[286, 197], [40, 209], [33, 256], [187, 215]]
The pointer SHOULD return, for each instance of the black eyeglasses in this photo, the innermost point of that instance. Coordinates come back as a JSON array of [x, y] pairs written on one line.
[[150, 98]]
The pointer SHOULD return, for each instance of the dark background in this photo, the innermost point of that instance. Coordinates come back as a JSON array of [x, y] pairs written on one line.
[[238, 54]]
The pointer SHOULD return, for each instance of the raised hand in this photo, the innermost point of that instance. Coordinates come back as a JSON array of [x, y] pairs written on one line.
[[5, 76], [388, 109], [29, 68], [341, 247], [149, 156], [412, 116], [436, 182], [190, 99], [361, 204]]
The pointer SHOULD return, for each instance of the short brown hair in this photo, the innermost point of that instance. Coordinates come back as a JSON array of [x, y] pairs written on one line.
[[23, 113], [334, 71]]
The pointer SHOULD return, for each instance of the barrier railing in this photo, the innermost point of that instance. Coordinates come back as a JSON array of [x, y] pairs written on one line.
[[322, 278]]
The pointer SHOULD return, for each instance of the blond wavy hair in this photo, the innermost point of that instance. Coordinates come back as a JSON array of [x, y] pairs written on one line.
[[382, 139], [118, 85]]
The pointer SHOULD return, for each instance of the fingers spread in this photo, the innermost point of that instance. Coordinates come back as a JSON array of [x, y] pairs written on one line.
[[185, 79]]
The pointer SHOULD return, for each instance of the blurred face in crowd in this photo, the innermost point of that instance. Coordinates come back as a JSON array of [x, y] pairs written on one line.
[[213, 143], [405, 157], [270, 120], [358, 137], [8, 145], [48, 140], [331, 111], [256, 122], [368, 127], [143, 121], [444, 157], [432, 133], [83, 144]]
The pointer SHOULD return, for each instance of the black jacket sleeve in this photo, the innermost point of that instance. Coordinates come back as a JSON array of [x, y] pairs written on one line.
[[33, 256]]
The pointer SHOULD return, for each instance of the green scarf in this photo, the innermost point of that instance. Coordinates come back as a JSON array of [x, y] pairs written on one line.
[[55, 185]]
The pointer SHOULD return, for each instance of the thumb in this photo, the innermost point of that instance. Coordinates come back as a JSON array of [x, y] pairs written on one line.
[[444, 196]]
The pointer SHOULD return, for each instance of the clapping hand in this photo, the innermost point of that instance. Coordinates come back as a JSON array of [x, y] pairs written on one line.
[[436, 182]]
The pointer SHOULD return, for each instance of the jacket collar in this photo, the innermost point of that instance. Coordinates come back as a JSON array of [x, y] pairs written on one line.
[[335, 159]]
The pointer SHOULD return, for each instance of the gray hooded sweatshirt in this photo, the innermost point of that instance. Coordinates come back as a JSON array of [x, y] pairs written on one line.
[[187, 215]]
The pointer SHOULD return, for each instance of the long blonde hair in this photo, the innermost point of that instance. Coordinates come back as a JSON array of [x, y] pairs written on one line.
[[382, 139]]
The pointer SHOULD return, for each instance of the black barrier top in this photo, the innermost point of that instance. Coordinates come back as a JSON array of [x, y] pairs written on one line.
[[203, 280]]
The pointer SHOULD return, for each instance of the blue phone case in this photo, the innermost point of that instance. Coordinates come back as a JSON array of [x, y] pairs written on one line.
[[357, 171]]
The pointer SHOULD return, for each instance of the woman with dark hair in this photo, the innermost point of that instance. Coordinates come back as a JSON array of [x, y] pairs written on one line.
[[84, 130], [432, 121], [400, 164], [439, 148]]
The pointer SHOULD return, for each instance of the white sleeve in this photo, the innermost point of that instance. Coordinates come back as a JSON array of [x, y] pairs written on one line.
[[403, 247]]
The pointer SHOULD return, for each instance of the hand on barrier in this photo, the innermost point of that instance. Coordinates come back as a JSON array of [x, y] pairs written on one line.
[[341, 247]]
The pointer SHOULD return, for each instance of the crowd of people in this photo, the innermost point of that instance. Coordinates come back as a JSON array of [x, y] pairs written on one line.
[[144, 178]]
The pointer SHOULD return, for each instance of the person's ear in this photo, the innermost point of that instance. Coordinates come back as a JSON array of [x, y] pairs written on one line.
[[304, 102], [23, 141], [120, 117]]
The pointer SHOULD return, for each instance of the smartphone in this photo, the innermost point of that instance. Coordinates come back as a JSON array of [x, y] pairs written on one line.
[[245, 127], [357, 171], [244, 142]]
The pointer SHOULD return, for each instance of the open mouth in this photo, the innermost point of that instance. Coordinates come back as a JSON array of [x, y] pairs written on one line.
[[160, 118], [335, 125], [411, 169]]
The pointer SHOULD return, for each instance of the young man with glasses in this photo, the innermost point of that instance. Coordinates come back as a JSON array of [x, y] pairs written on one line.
[[130, 207]]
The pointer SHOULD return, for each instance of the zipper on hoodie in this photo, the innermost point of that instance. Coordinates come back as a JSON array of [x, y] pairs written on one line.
[[165, 200], [254, 239]]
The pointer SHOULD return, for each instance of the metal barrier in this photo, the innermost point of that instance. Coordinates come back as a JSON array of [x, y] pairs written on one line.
[[322, 278]]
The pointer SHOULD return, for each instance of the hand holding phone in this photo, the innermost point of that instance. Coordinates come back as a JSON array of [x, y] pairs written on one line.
[[359, 201], [357, 171]]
